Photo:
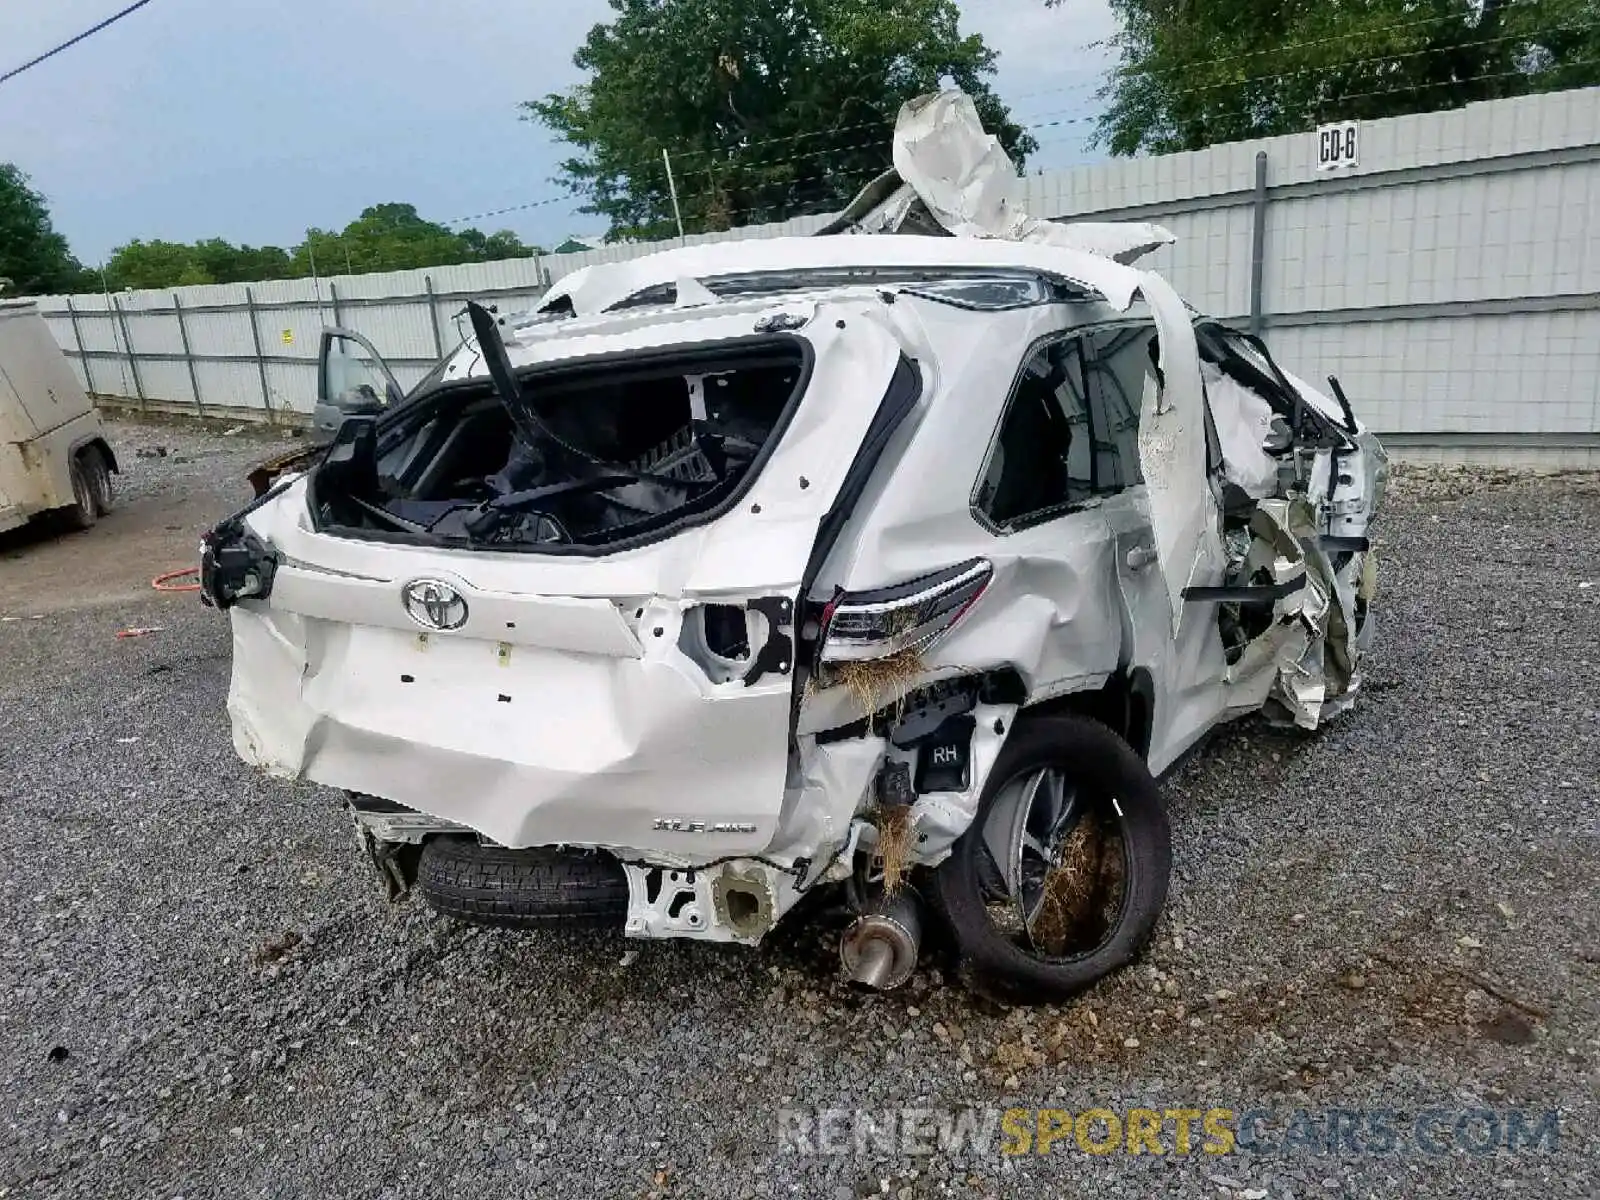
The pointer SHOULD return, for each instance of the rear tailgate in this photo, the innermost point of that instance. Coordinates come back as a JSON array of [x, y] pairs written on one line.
[[574, 702]]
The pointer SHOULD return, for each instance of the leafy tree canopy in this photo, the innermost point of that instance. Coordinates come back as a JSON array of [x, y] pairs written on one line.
[[768, 110], [1194, 72], [33, 256], [385, 237]]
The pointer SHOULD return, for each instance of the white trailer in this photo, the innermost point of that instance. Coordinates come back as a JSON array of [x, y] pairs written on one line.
[[53, 450]]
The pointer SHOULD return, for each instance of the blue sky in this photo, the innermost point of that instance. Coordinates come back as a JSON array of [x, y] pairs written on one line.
[[194, 118]]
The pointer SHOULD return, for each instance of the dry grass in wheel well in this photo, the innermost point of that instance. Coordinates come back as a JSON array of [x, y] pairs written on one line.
[[875, 682]]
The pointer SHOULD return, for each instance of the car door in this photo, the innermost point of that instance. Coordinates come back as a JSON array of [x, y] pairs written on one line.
[[352, 379], [1036, 492], [1308, 631], [1176, 671]]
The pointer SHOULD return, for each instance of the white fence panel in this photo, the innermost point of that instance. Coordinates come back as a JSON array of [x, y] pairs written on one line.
[[1451, 279]]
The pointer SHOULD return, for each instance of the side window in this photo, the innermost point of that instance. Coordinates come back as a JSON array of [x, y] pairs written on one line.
[[1121, 369], [1071, 427], [1042, 458], [352, 373]]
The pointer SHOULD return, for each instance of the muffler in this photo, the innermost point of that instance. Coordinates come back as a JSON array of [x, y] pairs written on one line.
[[880, 949]]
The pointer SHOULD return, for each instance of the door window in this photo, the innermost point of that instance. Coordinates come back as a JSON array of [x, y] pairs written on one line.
[[353, 374], [1121, 370], [1070, 431]]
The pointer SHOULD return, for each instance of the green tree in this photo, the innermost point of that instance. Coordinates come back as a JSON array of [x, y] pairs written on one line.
[[394, 237], [385, 237], [1191, 73], [768, 110], [492, 247], [155, 264], [33, 256], [226, 263]]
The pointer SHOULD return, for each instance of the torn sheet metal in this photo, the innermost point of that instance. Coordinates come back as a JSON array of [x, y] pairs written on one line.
[[1172, 451], [1308, 647], [1243, 422], [963, 179]]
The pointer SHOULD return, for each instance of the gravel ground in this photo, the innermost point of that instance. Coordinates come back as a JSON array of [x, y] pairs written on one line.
[[201, 993], [175, 479]]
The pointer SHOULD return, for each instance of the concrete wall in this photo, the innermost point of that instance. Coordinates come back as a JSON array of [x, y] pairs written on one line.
[[1451, 280]]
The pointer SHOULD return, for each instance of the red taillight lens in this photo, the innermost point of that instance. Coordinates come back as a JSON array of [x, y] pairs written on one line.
[[909, 616]]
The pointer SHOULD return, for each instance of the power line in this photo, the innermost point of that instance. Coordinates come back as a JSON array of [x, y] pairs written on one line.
[[1305, 121], [1348, 64], [729, 155], [1281, 48], [500, 212], [736, 165], [67, 45]]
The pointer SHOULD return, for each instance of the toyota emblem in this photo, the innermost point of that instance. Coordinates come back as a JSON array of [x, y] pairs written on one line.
[[434, 604]]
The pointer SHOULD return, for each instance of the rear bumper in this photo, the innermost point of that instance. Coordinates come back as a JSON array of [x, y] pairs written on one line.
[[527, 745]]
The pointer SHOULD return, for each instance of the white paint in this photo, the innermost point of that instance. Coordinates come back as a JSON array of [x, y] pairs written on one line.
[[1243, 421], [563, 711], [971, 187]]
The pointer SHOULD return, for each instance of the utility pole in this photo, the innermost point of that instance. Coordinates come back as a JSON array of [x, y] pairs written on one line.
[[672, 185], [316, 284]]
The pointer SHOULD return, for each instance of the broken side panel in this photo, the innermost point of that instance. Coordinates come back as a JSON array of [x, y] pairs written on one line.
[[1291, 615]]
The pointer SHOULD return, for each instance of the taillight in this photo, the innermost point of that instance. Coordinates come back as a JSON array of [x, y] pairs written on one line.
[[909, 616]]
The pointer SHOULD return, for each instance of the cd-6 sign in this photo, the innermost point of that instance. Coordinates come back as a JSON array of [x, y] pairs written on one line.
[[1338, 146]]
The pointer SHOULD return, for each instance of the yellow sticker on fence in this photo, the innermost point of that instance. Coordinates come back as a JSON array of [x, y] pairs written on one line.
[[288, 337]]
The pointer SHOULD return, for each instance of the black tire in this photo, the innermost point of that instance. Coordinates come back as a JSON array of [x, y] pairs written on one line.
[[1102, 765], [537, 888], [81, 513], [97, 471]]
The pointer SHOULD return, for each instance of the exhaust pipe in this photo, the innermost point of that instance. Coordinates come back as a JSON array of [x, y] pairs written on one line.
[[880, 949]]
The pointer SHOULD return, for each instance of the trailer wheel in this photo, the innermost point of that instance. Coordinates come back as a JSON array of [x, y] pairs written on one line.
[[82, 512], [98, 473]]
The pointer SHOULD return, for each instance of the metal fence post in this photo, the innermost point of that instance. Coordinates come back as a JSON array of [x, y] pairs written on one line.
[[1258, 243], [188, 356], [333, 295], [77, 336], [433, 318], [133, 360], [261, 362]]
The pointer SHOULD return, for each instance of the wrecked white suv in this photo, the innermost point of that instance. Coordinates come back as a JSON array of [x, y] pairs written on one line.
[[900, 563]]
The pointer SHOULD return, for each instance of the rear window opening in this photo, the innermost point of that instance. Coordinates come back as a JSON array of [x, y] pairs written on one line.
[[590, 457]]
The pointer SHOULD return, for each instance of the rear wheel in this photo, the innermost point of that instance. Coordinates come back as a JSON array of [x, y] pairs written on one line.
[[98, 474], [1064, 871], [538, 888], [82, 512]]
